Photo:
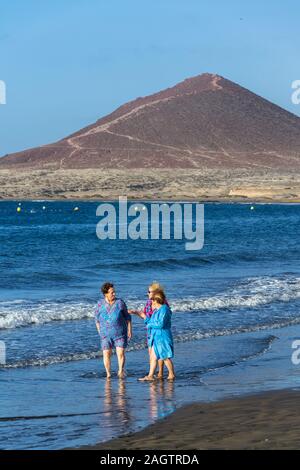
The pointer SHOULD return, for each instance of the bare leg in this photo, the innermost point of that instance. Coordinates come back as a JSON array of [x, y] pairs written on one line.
[[170, 367], [107, 361], [160, 365], [121, 362], [153, 365], [160, 369]]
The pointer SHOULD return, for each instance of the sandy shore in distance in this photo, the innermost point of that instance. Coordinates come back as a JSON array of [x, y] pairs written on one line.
[[265, 421], [202, 185]]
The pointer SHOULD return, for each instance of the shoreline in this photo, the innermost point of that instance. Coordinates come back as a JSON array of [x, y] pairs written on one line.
[[224, 186], [266, 420], [157, 200]]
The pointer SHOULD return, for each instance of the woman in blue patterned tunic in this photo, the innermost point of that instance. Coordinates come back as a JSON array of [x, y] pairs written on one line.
[[114, 326]]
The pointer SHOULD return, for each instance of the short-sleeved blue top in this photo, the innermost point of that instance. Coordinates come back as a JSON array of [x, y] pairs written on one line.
[[113, 319]]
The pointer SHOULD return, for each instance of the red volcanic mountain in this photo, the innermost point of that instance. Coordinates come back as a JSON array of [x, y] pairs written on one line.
[[204, 121]]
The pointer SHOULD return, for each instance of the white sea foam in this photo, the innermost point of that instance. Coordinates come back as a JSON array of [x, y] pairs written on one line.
[[24, 313], [251, 293], [191, 336]]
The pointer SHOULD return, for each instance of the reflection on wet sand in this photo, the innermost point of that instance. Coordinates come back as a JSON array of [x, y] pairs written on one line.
[[116, 404], [161, 401], [117, 407]]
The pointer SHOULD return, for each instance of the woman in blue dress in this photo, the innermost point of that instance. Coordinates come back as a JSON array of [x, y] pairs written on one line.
[[148, 311], [160, 339], [114, 326]]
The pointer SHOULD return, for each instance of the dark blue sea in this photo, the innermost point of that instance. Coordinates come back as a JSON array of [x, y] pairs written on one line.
[[236, 313]]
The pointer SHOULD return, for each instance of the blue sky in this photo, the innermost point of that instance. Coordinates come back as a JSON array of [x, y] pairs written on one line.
[[67, 63]]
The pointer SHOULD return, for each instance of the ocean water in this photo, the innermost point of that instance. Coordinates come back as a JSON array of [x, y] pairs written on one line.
[[236, 306]]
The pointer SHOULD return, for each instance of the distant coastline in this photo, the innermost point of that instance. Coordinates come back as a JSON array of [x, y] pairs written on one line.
[[207, 185]]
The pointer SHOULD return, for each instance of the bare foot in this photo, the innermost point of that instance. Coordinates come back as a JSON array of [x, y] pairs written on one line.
[[122, 375], [147, 378], [160, 377], [171, 378], [108, 376]]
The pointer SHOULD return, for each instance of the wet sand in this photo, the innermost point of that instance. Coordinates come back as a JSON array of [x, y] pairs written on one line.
[[236, 185], [265, 421]]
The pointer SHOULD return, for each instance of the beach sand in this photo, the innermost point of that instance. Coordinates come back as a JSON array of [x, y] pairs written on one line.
[[268, 420], [237, 185]]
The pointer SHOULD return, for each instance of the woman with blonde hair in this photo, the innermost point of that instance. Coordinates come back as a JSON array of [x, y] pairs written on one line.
[[160, 339], [148, 312]]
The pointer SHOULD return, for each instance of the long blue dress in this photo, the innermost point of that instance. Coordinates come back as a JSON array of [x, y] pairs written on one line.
[[160, 335]]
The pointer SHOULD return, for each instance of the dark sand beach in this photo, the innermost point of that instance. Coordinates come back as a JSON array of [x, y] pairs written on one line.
[[263, 421]]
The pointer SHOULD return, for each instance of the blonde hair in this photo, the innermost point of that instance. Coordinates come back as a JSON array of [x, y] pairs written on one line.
[[156, 286]]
